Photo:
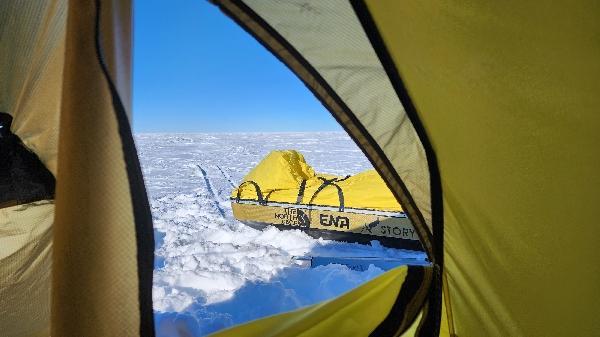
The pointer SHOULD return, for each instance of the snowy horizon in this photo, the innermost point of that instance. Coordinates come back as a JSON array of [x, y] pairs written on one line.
[[236, 132]]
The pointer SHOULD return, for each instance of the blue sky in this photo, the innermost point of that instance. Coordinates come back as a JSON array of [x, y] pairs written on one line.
[[195, 70]]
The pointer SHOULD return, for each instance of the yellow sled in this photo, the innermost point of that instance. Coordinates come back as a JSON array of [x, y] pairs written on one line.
[[284, 191]]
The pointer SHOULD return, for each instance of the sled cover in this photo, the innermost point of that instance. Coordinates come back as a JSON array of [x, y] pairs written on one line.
[[280, 174]]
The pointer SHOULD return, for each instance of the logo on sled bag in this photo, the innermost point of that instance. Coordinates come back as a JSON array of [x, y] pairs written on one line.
[[293, 217], [337, 221], [368, 228]]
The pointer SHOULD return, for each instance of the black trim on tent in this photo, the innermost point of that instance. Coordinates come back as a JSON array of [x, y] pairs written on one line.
[[399, 318], [23, 176], [429, 327], [139, 198], [415, 216]]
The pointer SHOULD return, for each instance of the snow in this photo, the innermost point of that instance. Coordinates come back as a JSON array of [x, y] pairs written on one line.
[[211, 271]]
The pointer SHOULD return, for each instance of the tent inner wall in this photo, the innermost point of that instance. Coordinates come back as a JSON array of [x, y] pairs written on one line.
[[32, 46], [508, 93]]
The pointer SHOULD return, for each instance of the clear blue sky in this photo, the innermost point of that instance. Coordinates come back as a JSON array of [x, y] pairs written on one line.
[[195, 70]]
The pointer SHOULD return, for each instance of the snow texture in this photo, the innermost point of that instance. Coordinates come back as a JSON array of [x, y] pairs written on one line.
[[211, 271]]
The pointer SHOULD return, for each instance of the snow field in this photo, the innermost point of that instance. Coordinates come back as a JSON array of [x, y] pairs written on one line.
[[211, 271]]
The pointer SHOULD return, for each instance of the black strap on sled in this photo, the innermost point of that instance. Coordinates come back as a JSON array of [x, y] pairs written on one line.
[[259, 194], [301, 192], [269, 195], [330, 182]]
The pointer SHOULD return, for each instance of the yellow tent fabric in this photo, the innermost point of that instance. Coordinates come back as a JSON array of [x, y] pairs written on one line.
[[508, 93], [80, 265], [281, 174], [25, 268], [103, 244], [31, 64]]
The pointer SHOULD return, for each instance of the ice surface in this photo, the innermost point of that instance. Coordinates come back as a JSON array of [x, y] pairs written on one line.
[[211, 271]]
